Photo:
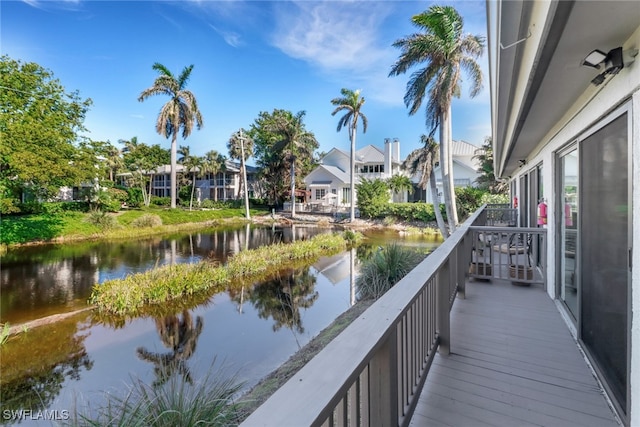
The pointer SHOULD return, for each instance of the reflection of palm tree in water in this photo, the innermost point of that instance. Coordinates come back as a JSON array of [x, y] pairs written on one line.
[[284, 297], [180, 336]]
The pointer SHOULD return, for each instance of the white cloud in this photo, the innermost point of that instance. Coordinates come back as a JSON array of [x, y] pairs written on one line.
[[70, 5], [232, 38], [32, 3], [345, 41], [333, 35]]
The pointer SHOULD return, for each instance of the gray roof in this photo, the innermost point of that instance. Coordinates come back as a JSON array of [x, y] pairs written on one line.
[[370, 154], [333, 170], [463, 148]]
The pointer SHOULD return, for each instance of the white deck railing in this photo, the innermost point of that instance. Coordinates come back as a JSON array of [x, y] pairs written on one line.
[[373, 372]]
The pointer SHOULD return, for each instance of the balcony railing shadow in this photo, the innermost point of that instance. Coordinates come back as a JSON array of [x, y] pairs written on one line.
[[374, 371]]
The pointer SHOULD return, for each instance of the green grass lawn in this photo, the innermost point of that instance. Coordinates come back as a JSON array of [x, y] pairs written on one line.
[[43, 227], [75, 226], [180, 216]]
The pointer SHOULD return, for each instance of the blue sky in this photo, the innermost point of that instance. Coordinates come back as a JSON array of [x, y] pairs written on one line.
[[248, 57]]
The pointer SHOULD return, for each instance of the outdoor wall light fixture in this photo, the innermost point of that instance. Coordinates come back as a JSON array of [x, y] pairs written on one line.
[[594, 59], [614, 61], [522, 162]]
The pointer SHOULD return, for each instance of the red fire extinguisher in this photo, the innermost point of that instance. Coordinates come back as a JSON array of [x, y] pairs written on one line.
[[542, 213], [515, 201]]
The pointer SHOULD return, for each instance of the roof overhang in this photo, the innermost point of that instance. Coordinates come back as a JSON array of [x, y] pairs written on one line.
[[535, 55]]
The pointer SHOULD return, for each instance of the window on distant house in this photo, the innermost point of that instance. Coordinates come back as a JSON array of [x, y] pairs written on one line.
[[345, 195], [320, 192]]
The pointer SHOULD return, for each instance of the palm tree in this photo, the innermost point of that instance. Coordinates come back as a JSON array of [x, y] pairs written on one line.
[[423, 160], [113, 160], [212, 163], [446, 51], [352, 102], [180, 112], [398, 183], [140, 166], [296, 144], [192, 164], [487, 179], [241, 147]]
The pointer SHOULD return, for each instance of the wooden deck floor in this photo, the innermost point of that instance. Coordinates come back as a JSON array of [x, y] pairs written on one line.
[[513, 362]]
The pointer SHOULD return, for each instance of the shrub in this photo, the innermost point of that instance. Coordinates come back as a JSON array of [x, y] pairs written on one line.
[[179, 401], [221, 204], [134, 197], [211, 204], [102, 219], [384, 269], [147, 220], [160, 201], [373, 198], [118, 194], [413, 211], [31, 207], [184, 195]]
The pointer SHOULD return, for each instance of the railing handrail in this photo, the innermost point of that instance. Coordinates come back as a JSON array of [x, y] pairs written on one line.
[[314, 391]]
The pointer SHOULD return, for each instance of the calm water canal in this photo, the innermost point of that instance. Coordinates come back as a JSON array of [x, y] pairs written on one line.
[[73, 361]]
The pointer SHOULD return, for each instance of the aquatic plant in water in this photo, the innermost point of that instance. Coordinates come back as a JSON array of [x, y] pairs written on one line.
[[160, 285]]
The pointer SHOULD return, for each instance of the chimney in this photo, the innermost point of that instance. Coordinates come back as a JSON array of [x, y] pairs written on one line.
[[388, 153], [396, 150]]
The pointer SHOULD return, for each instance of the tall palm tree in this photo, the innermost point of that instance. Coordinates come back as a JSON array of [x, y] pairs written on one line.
[[296, 143], [241, 147], [446, 51], [212, 163], [423, 160], [180, 112], [192, 164], [352, 103]]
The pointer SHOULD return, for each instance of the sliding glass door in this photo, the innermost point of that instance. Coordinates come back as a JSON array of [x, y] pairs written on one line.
[[604, 252], [568, 214]]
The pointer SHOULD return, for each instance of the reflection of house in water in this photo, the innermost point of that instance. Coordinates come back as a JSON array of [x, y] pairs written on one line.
[[335, 268]]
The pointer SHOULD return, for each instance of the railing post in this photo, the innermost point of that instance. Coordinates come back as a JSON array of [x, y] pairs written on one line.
[[462, 254], [442, 308], [383, 384]]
